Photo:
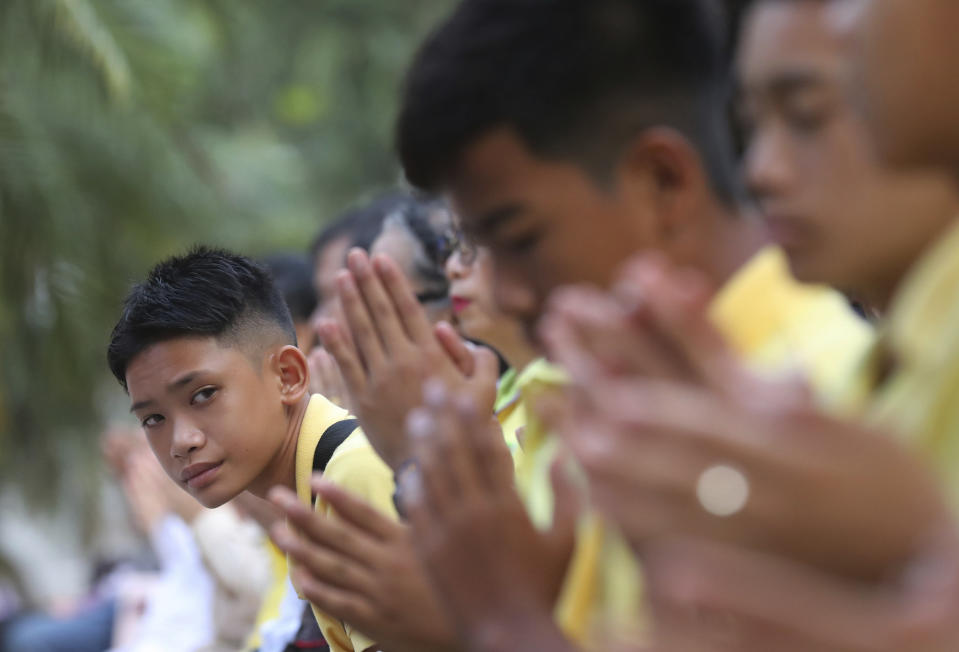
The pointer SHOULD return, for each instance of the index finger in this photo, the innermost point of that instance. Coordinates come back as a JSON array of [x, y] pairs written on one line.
[[382, 312], [410, 312], [354, 510], [455, 347], [320, 529], [814, 607], [359, 322]]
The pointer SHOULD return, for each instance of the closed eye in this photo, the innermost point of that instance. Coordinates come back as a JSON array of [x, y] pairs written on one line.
[[523, 244]]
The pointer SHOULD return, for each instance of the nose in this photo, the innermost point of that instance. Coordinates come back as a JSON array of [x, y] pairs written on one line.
[[454, 268], [187, 438], [769, 170]]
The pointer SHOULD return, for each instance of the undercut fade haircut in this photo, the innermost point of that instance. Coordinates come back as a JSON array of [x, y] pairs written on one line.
[[575, 80], [207, 292]]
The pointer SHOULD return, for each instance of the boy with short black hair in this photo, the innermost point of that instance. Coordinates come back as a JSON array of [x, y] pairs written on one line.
[[206, 349], [572, 136]]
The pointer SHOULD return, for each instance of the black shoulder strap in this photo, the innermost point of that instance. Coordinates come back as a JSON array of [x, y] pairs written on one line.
[[330, 439]]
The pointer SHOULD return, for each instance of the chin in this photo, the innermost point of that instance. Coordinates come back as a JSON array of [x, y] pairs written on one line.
[[211, 499]]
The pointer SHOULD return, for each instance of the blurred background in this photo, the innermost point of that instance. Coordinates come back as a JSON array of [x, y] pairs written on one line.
[[130, 129]]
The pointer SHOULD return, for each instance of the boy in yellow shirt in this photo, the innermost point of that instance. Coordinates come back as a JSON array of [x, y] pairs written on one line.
[[816, 491], [206, 349], [902, 261], [619, 147]]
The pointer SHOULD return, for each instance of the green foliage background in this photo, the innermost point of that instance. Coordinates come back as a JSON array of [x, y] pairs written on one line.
[[130, 129]]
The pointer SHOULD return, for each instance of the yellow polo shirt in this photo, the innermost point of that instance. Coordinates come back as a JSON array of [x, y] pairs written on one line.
[[511, 408], [919, 398], [355, 466], [777, 324]]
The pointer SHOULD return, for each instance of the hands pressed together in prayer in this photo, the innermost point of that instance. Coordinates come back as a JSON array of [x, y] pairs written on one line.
[[789, 551], [751, 511], [688, 467], [386, 348]]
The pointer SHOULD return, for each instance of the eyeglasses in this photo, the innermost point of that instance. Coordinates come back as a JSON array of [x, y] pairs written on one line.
[[461, 245], [432, 296]]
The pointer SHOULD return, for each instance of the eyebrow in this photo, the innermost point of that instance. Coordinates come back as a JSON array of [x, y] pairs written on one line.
[[784, 83], [792, 81], [494, 220], [140, 405], [173, 386]]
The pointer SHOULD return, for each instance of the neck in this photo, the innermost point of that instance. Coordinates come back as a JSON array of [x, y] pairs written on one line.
[[282, 468], [516, 350]]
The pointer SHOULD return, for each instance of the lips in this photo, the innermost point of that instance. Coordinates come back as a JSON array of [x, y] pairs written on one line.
[[459, 304], [199, 475]]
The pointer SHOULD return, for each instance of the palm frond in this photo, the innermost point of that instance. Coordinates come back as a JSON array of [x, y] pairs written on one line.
[[78, 21]]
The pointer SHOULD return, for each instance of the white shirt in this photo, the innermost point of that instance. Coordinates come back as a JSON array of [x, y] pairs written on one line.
[[179, 609]]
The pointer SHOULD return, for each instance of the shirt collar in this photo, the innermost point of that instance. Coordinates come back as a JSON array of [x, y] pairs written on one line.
[[926, 305]]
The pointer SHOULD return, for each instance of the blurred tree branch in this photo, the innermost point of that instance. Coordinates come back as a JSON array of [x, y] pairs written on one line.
[[130, 129]]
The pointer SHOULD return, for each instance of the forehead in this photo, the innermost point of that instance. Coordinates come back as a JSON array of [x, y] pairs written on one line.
[[328, 261], [790, 37], [498, 169], [164, 362], [489, 163], [398, 243]]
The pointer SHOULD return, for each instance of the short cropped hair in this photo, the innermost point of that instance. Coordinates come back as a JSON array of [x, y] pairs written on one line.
[[575, 80], [207, 292], [359, 224], [293, 276]]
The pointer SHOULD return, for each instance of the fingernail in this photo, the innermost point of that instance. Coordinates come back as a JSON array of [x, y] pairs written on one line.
[[411, 486], [381, 263], [419, 423], [359, 264], [547, 328], [318, 483], [630, 296], [649, 272], [283, 498], [282, 536], [434, 392], [344, 282]]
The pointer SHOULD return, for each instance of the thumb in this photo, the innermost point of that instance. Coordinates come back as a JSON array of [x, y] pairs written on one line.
[[456, 348], [485, 376], [485, 364]]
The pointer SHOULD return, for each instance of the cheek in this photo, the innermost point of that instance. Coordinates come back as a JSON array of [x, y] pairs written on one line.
[[595, 258], [516, 287], [160, 444], [239, 422], [837, 167]]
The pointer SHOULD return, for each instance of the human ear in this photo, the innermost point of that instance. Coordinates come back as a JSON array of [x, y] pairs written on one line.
[[289, 366], [665, 169]]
